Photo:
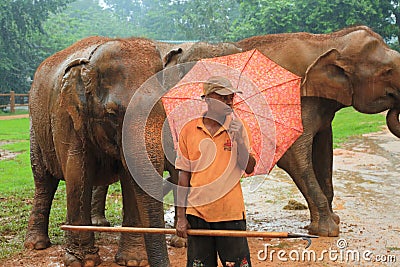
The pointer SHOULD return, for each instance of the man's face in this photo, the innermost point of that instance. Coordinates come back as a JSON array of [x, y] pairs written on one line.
[[220, 104]]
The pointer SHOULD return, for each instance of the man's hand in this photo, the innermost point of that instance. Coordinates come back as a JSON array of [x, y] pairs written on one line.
[[182, 225], [235, 129]]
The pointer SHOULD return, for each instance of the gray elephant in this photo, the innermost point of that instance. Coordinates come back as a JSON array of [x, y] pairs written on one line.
[[78, 101], [351, 67]]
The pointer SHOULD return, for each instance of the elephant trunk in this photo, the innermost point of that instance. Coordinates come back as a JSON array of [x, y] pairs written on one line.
[[144, 157], [392, 121]]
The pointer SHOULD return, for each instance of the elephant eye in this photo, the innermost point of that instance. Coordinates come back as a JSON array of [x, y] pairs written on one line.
[[387, 73]]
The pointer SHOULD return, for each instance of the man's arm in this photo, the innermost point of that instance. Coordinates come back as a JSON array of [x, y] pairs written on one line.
[[246, 161], [182, 223]]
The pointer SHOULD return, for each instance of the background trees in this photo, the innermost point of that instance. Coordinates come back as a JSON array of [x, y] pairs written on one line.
[[31, 30], [19, 22]]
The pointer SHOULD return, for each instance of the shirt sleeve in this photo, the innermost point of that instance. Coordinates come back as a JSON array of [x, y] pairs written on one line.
[[182, 161]]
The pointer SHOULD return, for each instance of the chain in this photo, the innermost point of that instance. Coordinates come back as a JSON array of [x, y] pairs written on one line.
[[79, 253], [82, 185]]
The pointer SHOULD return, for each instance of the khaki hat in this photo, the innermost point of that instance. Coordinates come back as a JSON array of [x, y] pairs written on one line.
[[219, 85]]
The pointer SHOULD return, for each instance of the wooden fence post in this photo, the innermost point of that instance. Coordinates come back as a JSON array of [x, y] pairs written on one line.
[[12, 101]]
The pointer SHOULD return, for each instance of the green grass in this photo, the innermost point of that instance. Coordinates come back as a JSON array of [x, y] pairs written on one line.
[[17, 186], [349, 123], [17, 112], [17, 129]]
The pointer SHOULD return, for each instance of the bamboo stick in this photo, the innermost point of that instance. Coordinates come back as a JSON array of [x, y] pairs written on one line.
[[201, 232]]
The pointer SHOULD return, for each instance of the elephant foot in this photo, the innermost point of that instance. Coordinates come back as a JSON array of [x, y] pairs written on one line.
[[100, 220], [133, 263], [37, 241], [327, 227], [336, 218], [178, 242], [131, 259], [90, 260]]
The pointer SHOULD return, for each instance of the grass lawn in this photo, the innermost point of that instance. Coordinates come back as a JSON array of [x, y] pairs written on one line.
[[17, 187], [348, 123], [17, 112]]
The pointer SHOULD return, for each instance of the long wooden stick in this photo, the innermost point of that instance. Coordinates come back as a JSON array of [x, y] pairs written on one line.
[[201, 232]]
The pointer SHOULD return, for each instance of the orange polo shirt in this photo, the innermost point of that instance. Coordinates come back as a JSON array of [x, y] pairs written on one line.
[[215, 192]]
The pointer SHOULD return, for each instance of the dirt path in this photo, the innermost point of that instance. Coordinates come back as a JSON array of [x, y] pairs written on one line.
[[367, 197], [11, 117]]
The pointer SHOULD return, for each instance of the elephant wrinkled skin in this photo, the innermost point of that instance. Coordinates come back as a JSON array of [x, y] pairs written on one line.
[[78, 100], [351, 67]]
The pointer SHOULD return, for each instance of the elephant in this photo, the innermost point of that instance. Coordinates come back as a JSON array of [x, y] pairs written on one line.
[[350, 67], [78, 101], [169, 54]]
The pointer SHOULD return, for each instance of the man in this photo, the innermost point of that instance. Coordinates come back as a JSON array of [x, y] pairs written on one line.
[[214, 151]]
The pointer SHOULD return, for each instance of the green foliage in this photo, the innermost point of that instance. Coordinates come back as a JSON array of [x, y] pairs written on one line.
[[33, 30], [82, 19], [18, 21], [316, 16]]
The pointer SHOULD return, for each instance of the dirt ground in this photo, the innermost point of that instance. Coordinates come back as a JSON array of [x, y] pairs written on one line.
[[367, 197], [11, 117]]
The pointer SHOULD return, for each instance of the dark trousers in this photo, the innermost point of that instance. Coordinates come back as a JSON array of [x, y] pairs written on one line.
[[202, 251]]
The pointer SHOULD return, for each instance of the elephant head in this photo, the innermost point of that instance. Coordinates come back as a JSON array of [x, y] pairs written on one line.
[[190, 53], [362, 72]]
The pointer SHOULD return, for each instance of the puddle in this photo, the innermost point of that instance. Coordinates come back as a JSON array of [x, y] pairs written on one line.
[[5, 154]]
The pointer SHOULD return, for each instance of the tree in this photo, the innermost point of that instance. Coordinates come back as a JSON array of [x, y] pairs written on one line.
[[81, 19], [179, 19], [208, 20], [316, 16], [18, 21]]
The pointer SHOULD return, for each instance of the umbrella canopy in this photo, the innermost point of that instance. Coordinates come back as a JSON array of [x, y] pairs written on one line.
[[269, 104]]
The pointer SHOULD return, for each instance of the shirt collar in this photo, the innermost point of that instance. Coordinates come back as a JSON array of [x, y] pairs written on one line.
[[224, 127]]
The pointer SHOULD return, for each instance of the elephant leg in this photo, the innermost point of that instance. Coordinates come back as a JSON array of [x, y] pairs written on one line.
[[322, 163], [79, 172], [297, 162], [45, 187], [132, 250], [99, 194]]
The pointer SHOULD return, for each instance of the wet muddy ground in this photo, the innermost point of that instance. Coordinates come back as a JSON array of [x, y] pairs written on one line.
[[367, 199]]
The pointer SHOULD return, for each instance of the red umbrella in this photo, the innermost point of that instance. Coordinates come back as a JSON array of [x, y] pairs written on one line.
[[270, 103]]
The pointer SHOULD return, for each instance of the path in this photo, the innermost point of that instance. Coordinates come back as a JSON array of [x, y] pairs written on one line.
[[11, 117]]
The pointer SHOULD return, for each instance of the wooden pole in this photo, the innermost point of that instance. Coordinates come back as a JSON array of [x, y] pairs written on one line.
[[12, 101], [201, 232]]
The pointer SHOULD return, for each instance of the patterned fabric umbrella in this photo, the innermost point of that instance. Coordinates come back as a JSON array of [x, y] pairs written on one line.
[[269, 104]]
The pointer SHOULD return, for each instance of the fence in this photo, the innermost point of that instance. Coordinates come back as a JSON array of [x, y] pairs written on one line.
[[14, 100]]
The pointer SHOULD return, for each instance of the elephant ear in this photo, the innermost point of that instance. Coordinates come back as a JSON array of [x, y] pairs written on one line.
[[328, 77], [171, 58], [72, 92]]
